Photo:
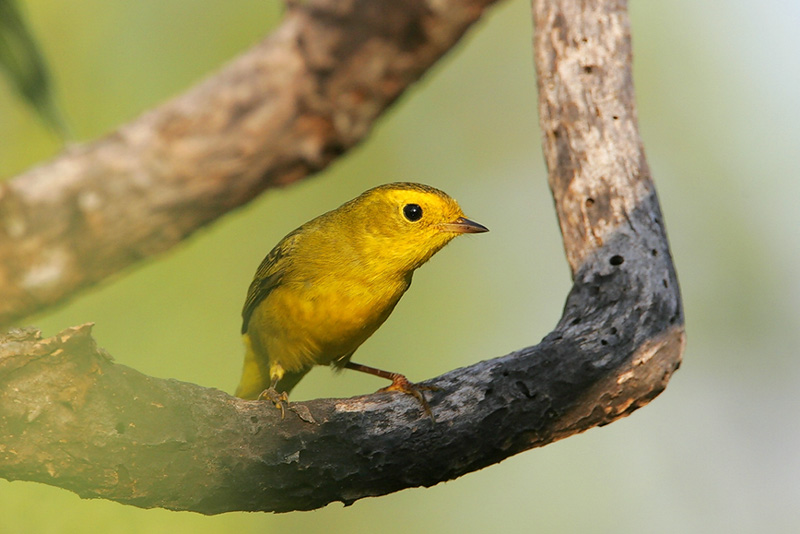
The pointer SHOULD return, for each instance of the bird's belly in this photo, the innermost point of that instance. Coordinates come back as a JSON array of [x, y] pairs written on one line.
[[303, 326]]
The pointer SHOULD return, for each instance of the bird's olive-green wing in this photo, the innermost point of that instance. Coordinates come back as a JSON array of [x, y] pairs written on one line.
[[268, 276]]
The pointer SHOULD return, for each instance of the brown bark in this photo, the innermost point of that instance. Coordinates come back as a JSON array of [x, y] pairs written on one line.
[[72, 418]]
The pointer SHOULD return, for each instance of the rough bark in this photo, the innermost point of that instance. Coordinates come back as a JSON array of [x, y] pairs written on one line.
[[72, 418], [284, 109]]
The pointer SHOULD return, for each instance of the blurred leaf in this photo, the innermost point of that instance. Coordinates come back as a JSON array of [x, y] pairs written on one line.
[[25, 65]]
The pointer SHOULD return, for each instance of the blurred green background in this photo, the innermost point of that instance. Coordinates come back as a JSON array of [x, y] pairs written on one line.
[[718, 451]]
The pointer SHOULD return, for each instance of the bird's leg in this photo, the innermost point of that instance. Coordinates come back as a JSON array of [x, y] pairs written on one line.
[[280, 400], [399, 383]]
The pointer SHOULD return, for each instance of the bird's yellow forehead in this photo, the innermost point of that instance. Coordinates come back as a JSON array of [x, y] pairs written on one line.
[[433, 202]]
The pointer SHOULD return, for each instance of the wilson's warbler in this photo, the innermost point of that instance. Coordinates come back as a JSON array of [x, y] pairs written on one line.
[[328, 285]]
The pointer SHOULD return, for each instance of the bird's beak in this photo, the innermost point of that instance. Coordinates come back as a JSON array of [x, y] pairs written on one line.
[[462, 225]]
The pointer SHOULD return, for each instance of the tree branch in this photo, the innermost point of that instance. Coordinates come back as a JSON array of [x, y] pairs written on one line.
[[284, 109], [72, 418]]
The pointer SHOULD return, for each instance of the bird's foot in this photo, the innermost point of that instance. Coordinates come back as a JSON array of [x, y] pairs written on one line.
[[403, 385], [280, 400]]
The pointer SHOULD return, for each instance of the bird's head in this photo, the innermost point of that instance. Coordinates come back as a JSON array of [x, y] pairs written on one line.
[[407, 223]]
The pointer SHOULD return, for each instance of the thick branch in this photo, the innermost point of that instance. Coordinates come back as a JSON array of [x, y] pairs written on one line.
[[283, 110], [587, 113], [72, 418]]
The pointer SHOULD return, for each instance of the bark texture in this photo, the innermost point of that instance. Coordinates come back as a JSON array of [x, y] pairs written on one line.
[[71, 417]]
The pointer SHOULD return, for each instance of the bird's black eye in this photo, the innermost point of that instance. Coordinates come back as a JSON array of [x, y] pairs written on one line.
[[412, 212]]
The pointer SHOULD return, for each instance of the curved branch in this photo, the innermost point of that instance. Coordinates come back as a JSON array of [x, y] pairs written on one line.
[[285, 109], [72, 418]]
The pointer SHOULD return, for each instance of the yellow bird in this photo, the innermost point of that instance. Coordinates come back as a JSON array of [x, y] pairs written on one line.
[[328, 285]]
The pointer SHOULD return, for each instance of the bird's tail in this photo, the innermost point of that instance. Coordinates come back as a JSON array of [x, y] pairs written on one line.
[[255, 376]]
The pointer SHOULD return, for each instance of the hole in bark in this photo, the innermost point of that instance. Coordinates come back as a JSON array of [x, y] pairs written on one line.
[[613, 330], [587, 69], [603, 342], [664, 281], [654, 252], [616, 260], [615, 117], [489, 391], [523, 388], [575, 321], [589, 202]]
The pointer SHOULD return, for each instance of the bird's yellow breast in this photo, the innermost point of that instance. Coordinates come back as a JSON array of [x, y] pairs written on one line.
[[301, 323]]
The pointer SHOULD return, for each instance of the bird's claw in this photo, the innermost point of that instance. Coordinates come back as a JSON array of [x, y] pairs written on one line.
[[403, 385], [280, 400]]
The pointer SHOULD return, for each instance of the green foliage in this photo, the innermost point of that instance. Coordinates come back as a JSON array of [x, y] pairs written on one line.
[[25, 66]]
